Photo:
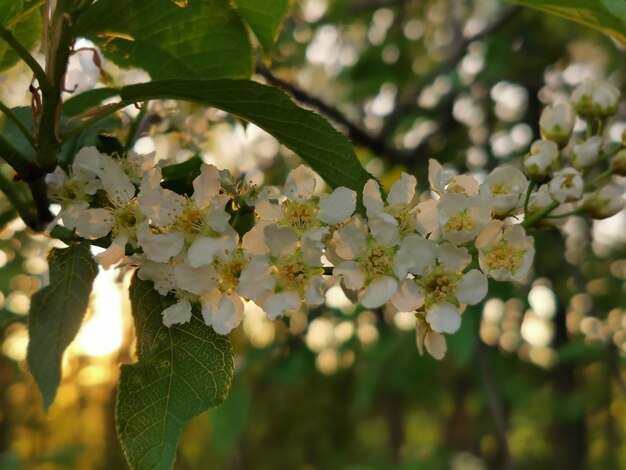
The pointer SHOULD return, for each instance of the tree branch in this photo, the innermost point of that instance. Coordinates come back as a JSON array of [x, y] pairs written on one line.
[[409, 100], [379, 144]]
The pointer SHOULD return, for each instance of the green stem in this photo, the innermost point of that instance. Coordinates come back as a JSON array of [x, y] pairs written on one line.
[[531, 221], [37, 70], [134, 127], [107, 111], [531, 186], [15, 198], [576, 211], [598, 179], [61, 36], [18, 123]]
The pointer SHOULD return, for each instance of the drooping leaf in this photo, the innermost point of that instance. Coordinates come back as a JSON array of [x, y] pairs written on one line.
[[24, 25], [197, 39], [12, 134], [181, 372], [608, 16], [56, 313], [87, 100], [309, 135], [264, 18]]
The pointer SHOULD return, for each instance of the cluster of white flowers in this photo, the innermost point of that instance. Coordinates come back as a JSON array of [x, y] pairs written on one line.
[[576, 172], [428, 252]]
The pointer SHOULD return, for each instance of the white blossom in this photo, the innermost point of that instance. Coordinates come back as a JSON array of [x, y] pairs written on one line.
[[566, 186], [594, 98], [505, 186], [585, 154], [462, 217], [542, 158], [556, 123], [505, 253], [604, 202]]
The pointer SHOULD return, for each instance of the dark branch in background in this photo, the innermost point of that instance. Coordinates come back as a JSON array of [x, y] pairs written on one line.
[[379, 144], [407, 102], [496, 408], [358, 135]]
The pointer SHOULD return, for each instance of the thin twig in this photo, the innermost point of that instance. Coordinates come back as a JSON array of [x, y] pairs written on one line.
[[37, 70], [353, 131]]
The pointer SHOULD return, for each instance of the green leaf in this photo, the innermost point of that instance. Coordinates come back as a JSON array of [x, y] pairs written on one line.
[[309, 135], [607, 16], [196, 39], [9, 9], [182, 371], [25, 26], [87, 100], [56, 312], [265, 18]]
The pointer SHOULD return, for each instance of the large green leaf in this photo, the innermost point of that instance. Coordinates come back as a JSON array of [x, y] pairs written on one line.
[[608, 16], [309, 135], [195, 39], [87, 100], [182, 371], [56, 312], [24, 24], [264, 18], [9, 9]]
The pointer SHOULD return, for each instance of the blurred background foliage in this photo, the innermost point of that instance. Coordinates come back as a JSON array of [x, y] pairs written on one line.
[[534, 379]]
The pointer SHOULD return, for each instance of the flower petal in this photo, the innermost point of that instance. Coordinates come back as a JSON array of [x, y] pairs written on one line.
[[195, 280], [277, 304], [379, 292], [114, 253], [403, 190], [206, 186], [300, 183], [338, 206], [444, 318], [372, 199], [177, 313], [472, 288]]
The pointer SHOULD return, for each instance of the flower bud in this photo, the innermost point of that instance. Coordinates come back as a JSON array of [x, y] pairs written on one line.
[[538, 163], [618, 163], [556, 123], [595, 99], [585, 154], [566, 186], [605, 202]]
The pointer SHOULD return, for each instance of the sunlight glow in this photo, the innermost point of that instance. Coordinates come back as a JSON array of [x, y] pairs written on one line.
[[102, 333]]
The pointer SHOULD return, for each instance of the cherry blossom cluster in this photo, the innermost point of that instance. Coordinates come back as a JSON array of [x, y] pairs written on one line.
[[429, 252], [577, 172]]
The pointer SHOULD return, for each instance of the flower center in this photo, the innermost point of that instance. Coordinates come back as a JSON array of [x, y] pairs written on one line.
[[500, 189], [126, 219], [300, 215], [504, 256], [292, 275], [460, 222], [376, 261], [404, 216], [191, 221], [440, 286], [72, 191], [230, 272]]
